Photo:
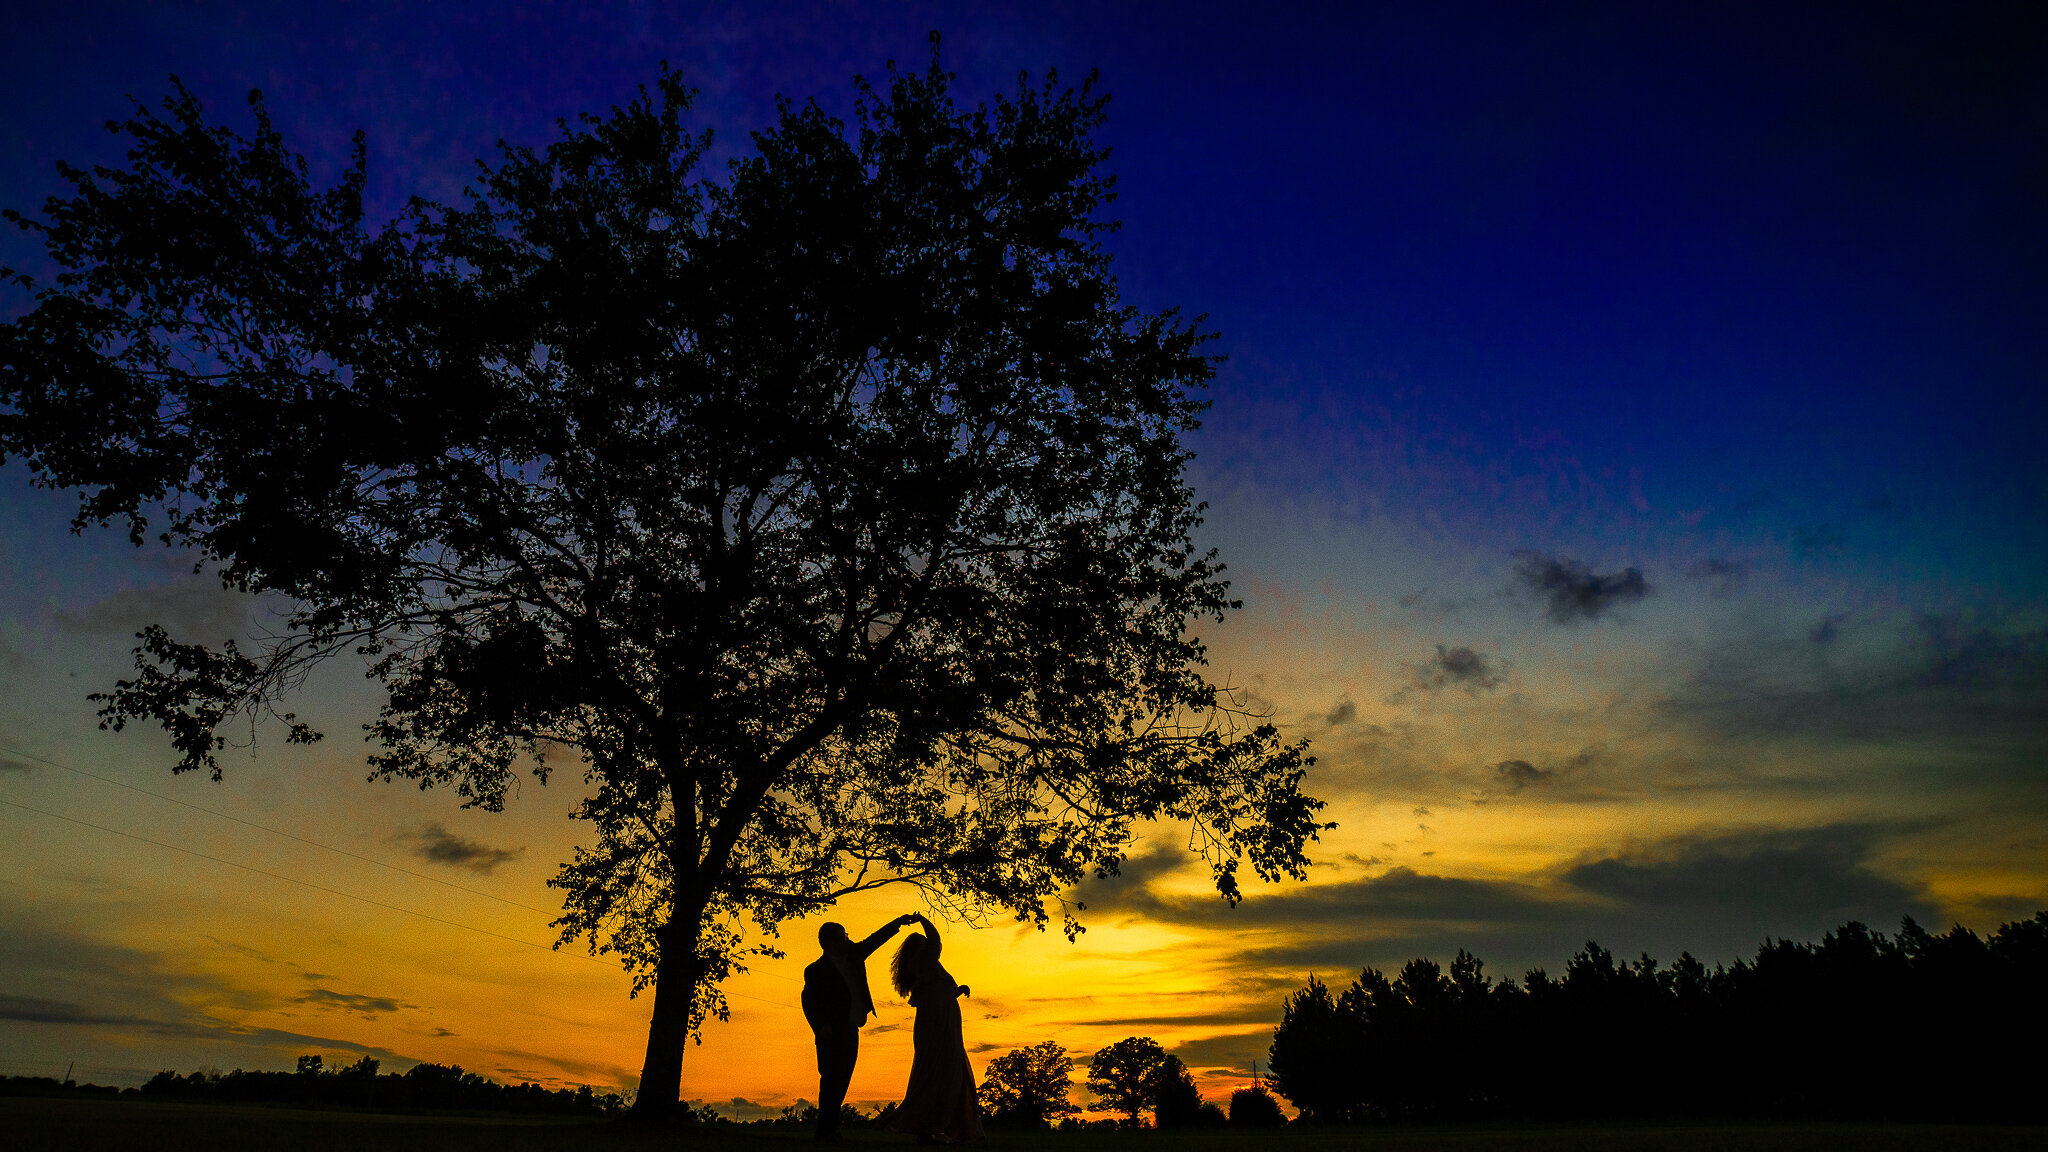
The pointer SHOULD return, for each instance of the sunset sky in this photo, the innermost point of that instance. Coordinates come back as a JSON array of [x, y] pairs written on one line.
[[1629, 455]]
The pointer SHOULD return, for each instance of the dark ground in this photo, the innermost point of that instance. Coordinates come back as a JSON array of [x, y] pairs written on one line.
[[30, 1124]]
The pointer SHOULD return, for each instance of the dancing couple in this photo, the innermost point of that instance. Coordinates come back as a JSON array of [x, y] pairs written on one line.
[[939, 1105]]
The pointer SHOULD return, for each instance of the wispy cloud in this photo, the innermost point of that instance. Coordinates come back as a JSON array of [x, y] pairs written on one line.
[[437, 844], [1724, 576], [1573, 592], [1456, 668], [368, 1007]]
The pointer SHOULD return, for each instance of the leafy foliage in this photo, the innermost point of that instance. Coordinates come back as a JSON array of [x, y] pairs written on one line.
[[1125, 1075], [1176, 1102], [829, 516], [1029, 1087], [1254, 1107]]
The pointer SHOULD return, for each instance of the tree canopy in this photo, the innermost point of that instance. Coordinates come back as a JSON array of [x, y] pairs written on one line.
[[826, 512], [1125, 1075], [1030, 1087], [1862, 1026]]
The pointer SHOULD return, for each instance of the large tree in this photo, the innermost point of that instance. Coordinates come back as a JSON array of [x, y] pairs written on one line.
[[827, 512]]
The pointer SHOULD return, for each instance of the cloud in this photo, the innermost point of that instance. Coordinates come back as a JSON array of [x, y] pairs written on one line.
[[741, 1108], [191, 611], [1456, 668], [439, 845], [1956, 682], [1233, 1051], [574, 1071], [1573, 591], [1725, 576], [58, 977], [1716, 896], [1250, 1014], [1515, 775], [1344, 713], [35, 1010], [1812, 873], [1519, 774], [10, 764], [368, 1007]]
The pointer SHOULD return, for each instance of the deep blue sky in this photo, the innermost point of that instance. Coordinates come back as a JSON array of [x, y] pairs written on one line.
[[1783, 265]]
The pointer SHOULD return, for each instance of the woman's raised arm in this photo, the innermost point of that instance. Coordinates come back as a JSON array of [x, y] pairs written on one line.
[[930, 933]]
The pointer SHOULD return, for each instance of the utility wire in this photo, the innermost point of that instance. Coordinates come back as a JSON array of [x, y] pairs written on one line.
[[266, 828], [336, 891]]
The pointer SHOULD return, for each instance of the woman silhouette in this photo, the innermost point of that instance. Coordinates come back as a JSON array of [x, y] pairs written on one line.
[[939, 1105]]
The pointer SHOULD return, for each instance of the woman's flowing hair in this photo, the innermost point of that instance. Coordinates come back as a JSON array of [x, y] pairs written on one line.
[[909, 962]]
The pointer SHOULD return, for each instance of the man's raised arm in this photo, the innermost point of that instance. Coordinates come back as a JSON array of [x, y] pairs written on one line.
[[866, 948]]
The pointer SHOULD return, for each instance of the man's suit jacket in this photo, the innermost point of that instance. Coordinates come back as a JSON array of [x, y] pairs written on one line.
[[837, 996]]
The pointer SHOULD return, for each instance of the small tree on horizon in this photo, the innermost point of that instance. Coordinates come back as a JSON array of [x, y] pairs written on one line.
[[829, 517], [1176, 1101], [1125, 1075], [1030, 1087]]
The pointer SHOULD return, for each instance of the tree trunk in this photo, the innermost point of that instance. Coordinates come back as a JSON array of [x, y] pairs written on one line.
[[675, 990]]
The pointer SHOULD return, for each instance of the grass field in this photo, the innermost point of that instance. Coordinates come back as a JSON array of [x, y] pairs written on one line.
[[29, 1123]]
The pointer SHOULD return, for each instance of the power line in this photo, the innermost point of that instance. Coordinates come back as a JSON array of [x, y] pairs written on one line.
[[272, 831], [336, 891]]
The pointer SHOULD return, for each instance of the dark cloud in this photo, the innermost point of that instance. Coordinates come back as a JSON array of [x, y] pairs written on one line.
[[1962, 684], [58, 977], [1816, 876], [441, 846], [34, 1010], [10, 764], [1241, 1015], [1828, 628], [1344, 713], [1519, 774], [574, 1071], [1133, 878], [1233, 1052], [1574, 592], [194, 611], [1959, 655], [1397, 894], [1457, 668], [1515, 775], [368, 1007], [1724, 576], [1716, 897]]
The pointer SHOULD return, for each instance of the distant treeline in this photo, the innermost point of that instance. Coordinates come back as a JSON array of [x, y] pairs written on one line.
[[359, 1085], [1860, 1026]]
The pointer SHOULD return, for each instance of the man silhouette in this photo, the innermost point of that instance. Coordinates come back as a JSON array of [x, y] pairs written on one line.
[[837, 1002]]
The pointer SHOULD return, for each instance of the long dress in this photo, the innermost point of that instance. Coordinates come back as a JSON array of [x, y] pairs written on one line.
[[940, 1099]]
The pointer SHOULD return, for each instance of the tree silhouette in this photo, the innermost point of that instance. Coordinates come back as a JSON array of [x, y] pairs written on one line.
[[1125, 1075], [1859, 1026], [829, 516], [1254, 1107], [1030, 1087], [1176, 1102]]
